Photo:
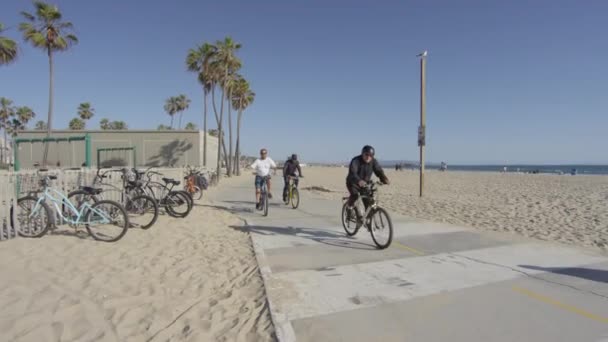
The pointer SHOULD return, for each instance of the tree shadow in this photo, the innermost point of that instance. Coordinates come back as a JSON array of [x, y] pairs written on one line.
[[170, 153], [579, 272], [323, 236]]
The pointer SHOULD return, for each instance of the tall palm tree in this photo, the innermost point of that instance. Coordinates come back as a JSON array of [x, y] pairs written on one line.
[[230, 64], [46, 31], [7, 113], [76, 124], [183, 103], [216, 74], [171, 107], [85, 111], [243, 98], [8, 48], [197, 61]]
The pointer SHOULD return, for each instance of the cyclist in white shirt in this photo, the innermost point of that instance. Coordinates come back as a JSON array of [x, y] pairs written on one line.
[[262, 168]]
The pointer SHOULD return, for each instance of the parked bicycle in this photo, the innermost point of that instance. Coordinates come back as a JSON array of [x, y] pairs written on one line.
[[195, 183], [142, 209], [375, 218], [177, 203], [104, 220]]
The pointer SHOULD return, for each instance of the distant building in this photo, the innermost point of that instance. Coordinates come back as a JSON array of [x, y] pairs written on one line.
[[152, 148]]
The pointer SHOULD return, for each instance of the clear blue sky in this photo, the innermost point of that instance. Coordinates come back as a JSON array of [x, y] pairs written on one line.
[[508, 81]]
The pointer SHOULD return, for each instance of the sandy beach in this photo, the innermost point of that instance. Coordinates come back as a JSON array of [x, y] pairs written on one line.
[[193, 279], [568, 209]]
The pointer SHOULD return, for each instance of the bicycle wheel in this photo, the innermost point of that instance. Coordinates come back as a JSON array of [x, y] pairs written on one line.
[[381, 228], [34, 219], [106, 221], [265, 202], [143, 211], [197, 194], [177, 204], [295, 198], [188, 196], [349, 221]]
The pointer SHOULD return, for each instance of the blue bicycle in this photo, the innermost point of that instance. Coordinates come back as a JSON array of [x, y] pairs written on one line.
[[104, 220]]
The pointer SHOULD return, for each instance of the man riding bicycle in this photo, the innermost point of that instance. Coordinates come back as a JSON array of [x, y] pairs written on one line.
[[360, 173], [262, 167], [289, 170]]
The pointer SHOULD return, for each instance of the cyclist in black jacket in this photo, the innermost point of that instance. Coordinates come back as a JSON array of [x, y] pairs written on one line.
[[289, 169], [360, 173]]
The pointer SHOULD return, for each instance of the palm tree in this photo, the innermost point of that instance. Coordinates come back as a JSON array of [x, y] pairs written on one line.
[[76, 124], [171, 107], [40, 125], [190, 126], [197, 61], [46, 31], [24, 115], [7, 112], [183, 103], [119, 125], [215, 75], [85, 111], [242, 98], [227, 62], [104, 124], [8, 48]]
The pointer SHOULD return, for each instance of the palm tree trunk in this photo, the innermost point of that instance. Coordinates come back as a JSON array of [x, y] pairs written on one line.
[[4, 144], [238, 143], [230, 155], [180, 121], [204, 126], [49, 122], [171, 121], [217, 120], [221, 138]]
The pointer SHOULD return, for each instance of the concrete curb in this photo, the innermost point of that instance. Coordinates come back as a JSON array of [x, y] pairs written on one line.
[[283, 329]]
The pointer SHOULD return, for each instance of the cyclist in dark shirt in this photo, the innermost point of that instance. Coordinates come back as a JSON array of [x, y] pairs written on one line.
[[289, 169], [360, 173]]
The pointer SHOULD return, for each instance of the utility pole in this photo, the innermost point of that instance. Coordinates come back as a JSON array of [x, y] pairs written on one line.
[[422, 128]]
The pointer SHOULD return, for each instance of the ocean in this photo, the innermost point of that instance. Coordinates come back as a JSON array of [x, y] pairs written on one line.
[[551, 169]]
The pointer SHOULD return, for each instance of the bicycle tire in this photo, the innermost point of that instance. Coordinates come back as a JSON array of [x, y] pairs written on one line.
[[44, 209], [121, 229], [295, 198], [389, 222], [188, 196], [265, 202], [198, 193], [349, 231], [150, 205], [176, 199]]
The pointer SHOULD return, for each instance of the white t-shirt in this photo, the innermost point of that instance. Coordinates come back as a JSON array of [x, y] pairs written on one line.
[[262, 166]]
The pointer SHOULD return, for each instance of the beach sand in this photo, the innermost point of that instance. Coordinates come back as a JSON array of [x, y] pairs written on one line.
[[193, 279], [567, 209]]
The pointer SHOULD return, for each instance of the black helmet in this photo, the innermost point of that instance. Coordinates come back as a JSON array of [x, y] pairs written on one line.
[[368, 149], [294, 157]]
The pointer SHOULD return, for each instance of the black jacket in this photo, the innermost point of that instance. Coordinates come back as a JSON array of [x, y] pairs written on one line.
[[290, 167], [360, 170]]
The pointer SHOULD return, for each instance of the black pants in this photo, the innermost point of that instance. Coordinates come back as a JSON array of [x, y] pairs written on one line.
[[286, 187], [354, 190]]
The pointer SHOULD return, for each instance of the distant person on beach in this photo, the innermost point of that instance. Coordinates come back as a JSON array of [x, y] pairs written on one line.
[[360, 173], [443, 167], [262, 167], [289, 170]]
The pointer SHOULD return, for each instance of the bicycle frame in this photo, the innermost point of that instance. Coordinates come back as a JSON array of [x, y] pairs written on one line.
[[79, 214]]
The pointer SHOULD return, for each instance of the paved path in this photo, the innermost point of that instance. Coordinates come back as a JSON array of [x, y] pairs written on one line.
[[435, 283]]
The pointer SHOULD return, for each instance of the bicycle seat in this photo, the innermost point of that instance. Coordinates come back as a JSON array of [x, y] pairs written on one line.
[[91, 190], [170, 181]]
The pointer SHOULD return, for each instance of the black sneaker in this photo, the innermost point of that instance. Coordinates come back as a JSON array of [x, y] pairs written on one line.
[[269, 195]]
